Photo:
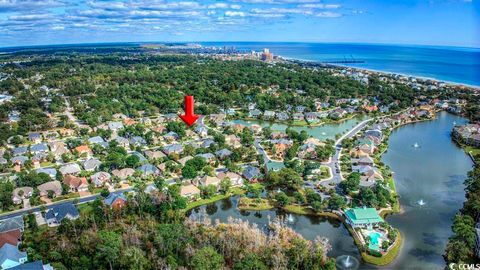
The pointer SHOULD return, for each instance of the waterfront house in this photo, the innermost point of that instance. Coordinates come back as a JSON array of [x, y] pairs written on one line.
[[235, 179], [268, 115], [255, 113], [374, 133], [10, 256], [297, 116], [256, 129], [311, 117], [189, 191], [282, 116], [251, 173], [57, 213], [364, 160], [209, 180], [362, 217]]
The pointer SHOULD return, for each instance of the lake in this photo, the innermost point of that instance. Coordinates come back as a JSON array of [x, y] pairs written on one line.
[[432, 173]]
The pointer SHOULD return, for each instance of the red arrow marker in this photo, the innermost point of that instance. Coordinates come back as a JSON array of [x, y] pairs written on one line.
[[189, 117]]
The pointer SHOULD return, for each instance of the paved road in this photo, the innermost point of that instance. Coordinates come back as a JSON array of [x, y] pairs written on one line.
[[334, 163]]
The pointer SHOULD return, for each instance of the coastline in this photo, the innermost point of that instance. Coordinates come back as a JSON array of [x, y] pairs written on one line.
[[387, 73]]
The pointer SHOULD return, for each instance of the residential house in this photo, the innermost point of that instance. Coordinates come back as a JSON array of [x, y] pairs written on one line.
[[96, 140], [58, 148], [256, 129], [154, 154], [374, 133], [72, 168], [223, 153], [76, 184], [123, 142], [11, 224], [268, 115], [255, 113], [365, 161], [311, 117], [251, 173], [39, 148], [19, 151], [21, 193], [12, 237], [138, 141], [18, 162], [115, 126], [209, 180], [184, 160], [91, 164], [83, 150], [235, 179], [233, 141], [297, 116], [123, 173], [35, 137], [189, 191], [209, 157], [116, 200], [99, 179], [202, 131], [10, 256], [53, 186], [142, 159], [282, 116], [58, 213], [171, 136], [173, 148], [148, 169]]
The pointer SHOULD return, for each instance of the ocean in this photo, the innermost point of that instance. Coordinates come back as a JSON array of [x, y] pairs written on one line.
[[450, 64]]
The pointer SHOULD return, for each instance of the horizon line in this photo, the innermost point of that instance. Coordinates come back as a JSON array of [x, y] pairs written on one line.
[[241, 41]]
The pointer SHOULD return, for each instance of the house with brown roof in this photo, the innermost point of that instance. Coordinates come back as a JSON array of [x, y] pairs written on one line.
[[54, 186], [123, 173], [83, 150], [76, 184], [12, 237]]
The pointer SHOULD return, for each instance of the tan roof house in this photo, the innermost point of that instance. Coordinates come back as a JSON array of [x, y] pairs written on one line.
[[189, 190], [54, 186], [75, 183]]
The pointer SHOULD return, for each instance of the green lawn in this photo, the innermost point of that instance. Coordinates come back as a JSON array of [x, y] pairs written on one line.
[[254, 204], [304, 210], [233, 191]]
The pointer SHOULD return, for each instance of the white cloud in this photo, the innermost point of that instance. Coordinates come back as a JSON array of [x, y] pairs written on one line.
[[230, 13]]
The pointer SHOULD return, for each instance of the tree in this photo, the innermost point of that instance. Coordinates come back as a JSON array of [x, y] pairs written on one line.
[[6, 189], [352, 183], [282, 199], [134, 258], [225, 185], [336, 202], [207, 259], [177, 127], [189, 172], [132, 161], [109, 246]]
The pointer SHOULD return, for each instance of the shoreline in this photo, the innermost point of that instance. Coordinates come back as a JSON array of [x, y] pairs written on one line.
[[388, 73]]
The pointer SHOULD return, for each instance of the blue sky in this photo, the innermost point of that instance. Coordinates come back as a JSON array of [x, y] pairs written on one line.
[[426, 22]]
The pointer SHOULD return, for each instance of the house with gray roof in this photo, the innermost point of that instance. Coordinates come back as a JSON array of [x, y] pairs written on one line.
[[171, 136], [173, 148], [19, 160], [52, 172], [207, 142], [282, 116], [91, 164], [11, 224], [154, 154], [100, 178], [10, 256], [254, 113], [72, 168], [138, 141], [148, 169], [35, 137], [39, 148], [202, 131], [209, 157], [223, 153], [21, 150], [122, 141], [96, 140], [251, 173], [115, 126], [57, 213]]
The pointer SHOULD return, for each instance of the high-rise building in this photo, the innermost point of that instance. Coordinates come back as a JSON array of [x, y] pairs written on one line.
[[267, 55]]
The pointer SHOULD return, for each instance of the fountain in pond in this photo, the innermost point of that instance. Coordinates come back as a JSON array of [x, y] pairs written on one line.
[[421, 202], [416, 145], [347, 262], [290, 218], [324, 133]]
